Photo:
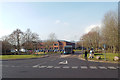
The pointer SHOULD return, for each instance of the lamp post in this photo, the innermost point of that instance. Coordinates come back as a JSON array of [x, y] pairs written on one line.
[[82, 46]]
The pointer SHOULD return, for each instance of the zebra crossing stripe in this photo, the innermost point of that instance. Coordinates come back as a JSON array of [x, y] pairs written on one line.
[[75, 67], [93, 67], [102, 67], [84, 67], [57, 67], [50, 67], [66, 67], [111, 67]]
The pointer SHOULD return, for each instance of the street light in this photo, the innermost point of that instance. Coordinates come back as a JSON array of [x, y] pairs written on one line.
[[82, 46]]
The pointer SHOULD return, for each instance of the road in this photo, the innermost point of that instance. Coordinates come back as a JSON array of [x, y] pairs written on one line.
[[57, 66]]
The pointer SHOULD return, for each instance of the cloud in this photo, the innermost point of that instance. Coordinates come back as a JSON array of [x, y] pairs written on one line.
[[91, 26], [66, 24], [62, 23], [57, 21]]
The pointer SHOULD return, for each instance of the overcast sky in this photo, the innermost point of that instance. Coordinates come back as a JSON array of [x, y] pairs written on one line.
[[68, 20]]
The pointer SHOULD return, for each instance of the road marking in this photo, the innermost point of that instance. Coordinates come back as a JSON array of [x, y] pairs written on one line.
[[50, 67], [93, 67], [64, 62], [84, 67], [42, 66], [111, 67], [66, 67], [35, 66], [57, 67], [74, 67], [102, 67]]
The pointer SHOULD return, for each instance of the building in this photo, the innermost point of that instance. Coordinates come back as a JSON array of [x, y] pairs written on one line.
[[59, 45]]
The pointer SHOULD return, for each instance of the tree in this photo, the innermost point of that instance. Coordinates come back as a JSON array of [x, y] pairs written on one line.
[[92, 38], [31, 40], [6, 46], [15, 38], [51, 39], [110, 30]]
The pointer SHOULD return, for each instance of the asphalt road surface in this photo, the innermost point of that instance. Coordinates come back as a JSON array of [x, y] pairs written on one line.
[[57, 66]]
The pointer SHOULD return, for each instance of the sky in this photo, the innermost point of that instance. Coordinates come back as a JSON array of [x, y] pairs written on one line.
[[68, 20]]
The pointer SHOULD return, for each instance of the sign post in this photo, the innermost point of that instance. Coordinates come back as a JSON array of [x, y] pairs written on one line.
[[104, 51]]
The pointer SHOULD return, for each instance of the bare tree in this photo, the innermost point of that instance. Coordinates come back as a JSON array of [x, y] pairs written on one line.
[[92, 38], [6, 46], [15, 38], [31, 40], [51, 39]]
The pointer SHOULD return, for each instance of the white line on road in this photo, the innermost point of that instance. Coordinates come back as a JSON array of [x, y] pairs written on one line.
[[50, 67], [111, 67], [35, 66], [84, 67], [102, 67], [66, 67], [64, 62], [93, 67], [74, 67], [57, 67], [42, 66]]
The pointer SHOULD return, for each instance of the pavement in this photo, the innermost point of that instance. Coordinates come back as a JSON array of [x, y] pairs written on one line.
[[58, 66]]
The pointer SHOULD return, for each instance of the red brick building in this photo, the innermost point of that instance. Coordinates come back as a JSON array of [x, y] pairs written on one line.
[[59, 45]]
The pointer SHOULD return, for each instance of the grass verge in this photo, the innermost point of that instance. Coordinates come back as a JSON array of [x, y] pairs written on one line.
[[109, 56], [18, 56], [36, 55]]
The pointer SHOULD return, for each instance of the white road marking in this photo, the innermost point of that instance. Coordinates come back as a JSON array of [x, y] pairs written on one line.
[[102, 67], [111, 67], [66, 67], [50, 67], [64, 62], [57, 67], [84, 67], [74, 67], [42, 66], [35, 66], [93, 67]]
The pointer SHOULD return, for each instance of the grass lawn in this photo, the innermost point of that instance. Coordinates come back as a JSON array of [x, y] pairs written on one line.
[[19, 56], [109, 56], [36, 55]]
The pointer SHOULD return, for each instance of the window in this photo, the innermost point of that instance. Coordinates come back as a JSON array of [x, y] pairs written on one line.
[[55, 44]]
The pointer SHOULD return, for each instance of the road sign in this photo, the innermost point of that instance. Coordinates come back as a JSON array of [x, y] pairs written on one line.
[[104, 45]]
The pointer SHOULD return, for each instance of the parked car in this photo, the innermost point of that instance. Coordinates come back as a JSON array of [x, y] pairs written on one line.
[[41, 50], [55, 50]]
